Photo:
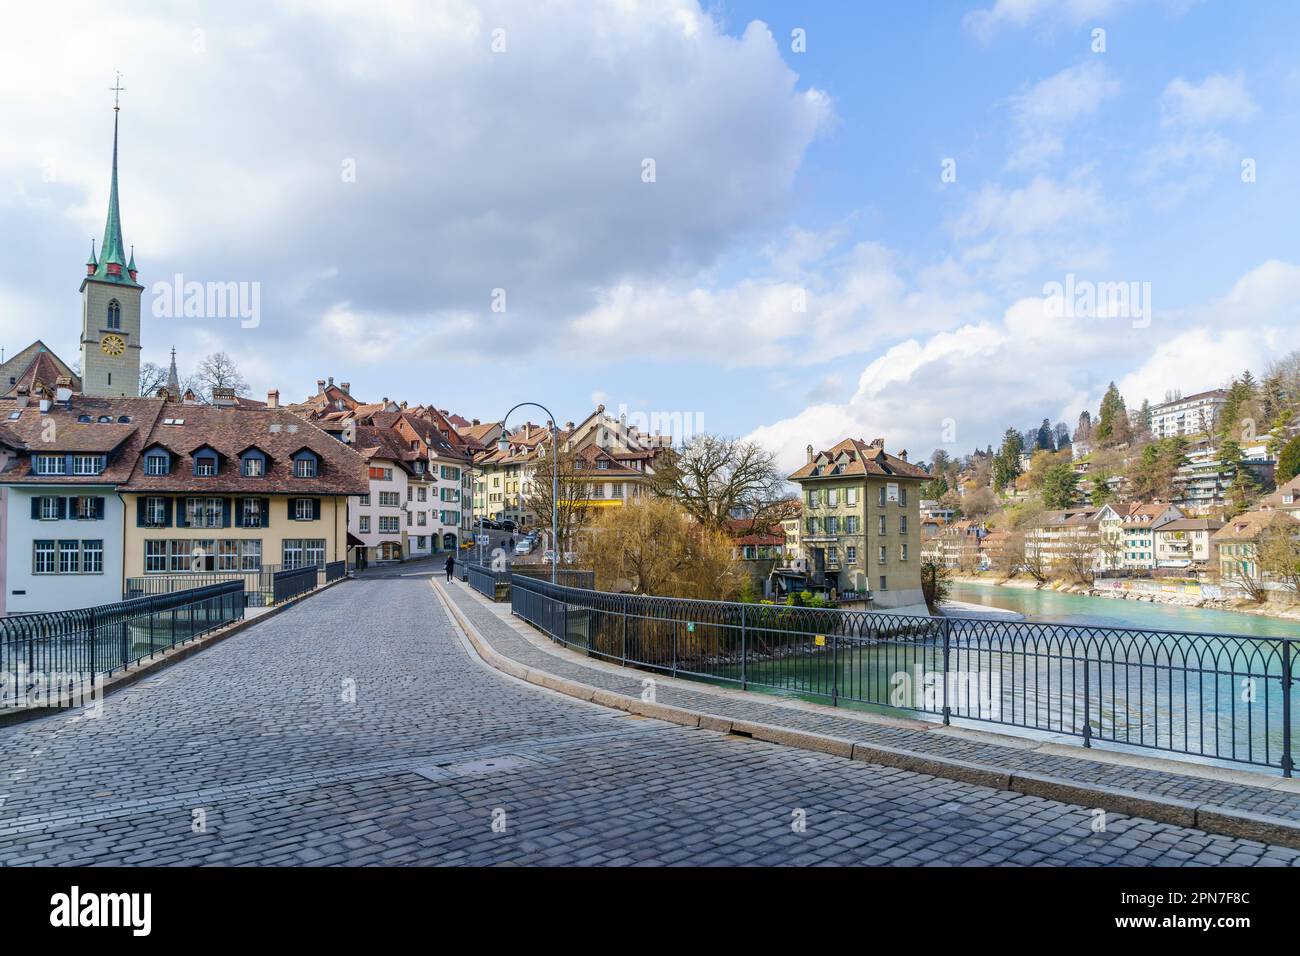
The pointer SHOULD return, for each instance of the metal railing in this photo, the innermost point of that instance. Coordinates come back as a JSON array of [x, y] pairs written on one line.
[[291, 583], [1221, 696], [491, 584], [259, 585], [569, 577], [45, 654]]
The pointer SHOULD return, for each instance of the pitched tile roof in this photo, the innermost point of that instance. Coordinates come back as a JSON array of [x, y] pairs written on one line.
[[854, 457], [277, 432], [1248, 526], [119, 440]]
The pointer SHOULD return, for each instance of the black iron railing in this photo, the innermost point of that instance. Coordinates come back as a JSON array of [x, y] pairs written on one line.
[[45, 654], [289, 584], [259, 585], [491, 584], [569, 577], [1222, 696]]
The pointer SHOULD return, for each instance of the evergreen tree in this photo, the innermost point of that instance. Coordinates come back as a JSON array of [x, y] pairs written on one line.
[[1045, 439], [1288, 461], [1006, 464], [1060, 486], [1112, 426]]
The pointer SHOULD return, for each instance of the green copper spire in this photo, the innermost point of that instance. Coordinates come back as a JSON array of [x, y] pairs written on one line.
[[112, 266]]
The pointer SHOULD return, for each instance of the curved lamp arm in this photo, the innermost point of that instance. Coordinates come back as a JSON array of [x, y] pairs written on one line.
[[555, 478]]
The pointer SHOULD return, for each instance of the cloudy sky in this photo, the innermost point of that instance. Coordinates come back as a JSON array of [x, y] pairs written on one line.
[[796, 224]]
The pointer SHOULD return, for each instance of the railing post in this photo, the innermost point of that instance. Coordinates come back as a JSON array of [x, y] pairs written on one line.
[[835, 669], [1286, 707], [947, 652], [675, 627], [626, 602], [1087, 699], [744, 651]]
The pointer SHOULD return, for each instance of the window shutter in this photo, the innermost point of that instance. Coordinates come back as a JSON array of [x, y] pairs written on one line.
[[266, 511], [63, 508], [97, 508], [167, 512], [182, 519], [36, 506], [226, 508], [315, 509]]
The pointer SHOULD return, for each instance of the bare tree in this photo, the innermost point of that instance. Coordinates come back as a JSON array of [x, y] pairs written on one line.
[[1279, 556], [715, 479], [1078, 556], [152, 378], [574, 512], [218, 370]]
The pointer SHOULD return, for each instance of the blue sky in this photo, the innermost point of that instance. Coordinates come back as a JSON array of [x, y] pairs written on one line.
[[778, 174]]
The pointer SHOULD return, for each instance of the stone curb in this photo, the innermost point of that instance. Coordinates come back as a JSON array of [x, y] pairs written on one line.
[[166, 658], [1213, 819]]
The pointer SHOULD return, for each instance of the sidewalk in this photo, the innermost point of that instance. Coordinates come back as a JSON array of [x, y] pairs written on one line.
[[1251, 804]]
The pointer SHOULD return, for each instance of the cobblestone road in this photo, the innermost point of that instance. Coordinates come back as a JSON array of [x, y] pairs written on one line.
[[248, 753]]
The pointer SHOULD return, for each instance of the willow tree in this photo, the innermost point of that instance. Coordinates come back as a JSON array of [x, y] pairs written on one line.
[[652, 546]]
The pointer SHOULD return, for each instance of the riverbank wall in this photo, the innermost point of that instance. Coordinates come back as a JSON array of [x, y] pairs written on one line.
[[1179, 593]]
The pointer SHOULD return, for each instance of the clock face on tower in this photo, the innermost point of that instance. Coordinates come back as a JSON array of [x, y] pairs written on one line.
[[112, 345]]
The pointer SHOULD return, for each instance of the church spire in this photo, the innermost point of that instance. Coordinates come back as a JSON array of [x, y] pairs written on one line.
[[173, 380], [112, 265]]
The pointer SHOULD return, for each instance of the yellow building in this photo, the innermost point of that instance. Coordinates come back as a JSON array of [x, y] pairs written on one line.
[[225, 488], [862, 522]]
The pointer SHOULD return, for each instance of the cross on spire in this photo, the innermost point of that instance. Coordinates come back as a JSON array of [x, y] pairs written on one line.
[[117, 90]]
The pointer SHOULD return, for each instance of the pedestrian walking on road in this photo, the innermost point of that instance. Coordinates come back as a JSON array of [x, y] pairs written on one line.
[[451, 565], [512, 544]]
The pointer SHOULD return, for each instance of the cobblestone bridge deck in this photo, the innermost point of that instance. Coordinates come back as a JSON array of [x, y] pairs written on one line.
[[250, 753]]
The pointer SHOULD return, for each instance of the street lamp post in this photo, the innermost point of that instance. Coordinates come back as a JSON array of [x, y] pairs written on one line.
[[503, 444]]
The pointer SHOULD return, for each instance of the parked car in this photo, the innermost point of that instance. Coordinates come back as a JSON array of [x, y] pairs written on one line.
[[525, 545], [569, 556], [506, 525]]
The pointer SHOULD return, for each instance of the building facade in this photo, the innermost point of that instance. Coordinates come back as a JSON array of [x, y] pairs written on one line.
[[862, 518], [1192, 415]]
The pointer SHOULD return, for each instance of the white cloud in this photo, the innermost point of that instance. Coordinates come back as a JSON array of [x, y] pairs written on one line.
[[1216, 99], [985, 22], [986, 376], [1043, 112], [475, 170]]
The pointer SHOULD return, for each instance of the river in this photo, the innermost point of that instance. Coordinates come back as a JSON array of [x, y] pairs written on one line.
[[1048, 605]]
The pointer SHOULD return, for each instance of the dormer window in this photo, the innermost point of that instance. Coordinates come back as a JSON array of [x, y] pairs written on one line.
[[49, 464], [252, 464], [205, 462], [305, 464], [114, 315], [87, 464], [157, 462]]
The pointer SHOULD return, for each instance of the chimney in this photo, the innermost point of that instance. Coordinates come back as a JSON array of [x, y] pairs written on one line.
[[902, 455], [223, 397], [346, 386], [810, 454], [600, 408], [528, 430], [273, 398], [476, 422], [568, 426], [320, 384], [331, 380]]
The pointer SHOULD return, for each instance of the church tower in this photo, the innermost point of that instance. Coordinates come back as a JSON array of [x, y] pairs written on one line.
[[110, 305]]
